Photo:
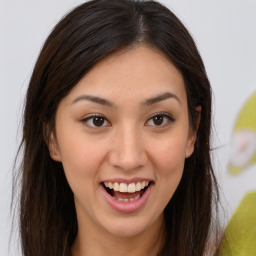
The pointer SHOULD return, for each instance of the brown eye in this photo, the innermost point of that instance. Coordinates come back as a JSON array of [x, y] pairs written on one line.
[[95, 121], [160, 120], [98, 121]]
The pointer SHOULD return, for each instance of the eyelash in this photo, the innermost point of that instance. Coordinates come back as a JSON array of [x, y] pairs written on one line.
[[164, 116], [160, 114], [90, 118]]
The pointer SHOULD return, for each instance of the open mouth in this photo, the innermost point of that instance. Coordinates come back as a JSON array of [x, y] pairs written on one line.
[[124, 192]]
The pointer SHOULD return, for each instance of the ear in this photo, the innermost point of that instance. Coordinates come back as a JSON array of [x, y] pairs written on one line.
[[192, 132], [51, 142], [53, 148]]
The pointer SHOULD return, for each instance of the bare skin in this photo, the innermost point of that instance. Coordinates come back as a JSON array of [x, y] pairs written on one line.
[[127, 119], [147, 243]]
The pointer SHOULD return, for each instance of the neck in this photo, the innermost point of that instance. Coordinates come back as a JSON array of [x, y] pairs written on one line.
[[98, 243]]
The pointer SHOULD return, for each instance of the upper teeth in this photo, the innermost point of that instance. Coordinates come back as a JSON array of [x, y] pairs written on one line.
[[124, 187]]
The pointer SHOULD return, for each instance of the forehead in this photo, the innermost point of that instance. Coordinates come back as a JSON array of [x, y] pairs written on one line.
[[132, 74]]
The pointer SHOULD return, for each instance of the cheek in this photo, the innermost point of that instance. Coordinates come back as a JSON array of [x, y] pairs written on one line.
[[169, 165], [81, 159], [170, 156]]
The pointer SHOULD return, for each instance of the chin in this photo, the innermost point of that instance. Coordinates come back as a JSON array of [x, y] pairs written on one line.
[[130, 226]]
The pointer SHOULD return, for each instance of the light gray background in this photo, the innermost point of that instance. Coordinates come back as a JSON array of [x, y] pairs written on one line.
[[225, 32]]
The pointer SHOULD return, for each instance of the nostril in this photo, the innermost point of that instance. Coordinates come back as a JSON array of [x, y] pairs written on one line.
[[128, 157]]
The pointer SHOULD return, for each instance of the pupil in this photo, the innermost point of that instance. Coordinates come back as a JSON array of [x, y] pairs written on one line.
[[158, 120], [98, 121]]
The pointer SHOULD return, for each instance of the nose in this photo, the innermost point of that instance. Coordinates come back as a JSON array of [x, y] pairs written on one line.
[[127, 150]]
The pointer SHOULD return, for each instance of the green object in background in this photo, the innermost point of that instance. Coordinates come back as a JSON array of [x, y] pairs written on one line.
[[240, 234], [243, 149], [237, 170], [247, 116]]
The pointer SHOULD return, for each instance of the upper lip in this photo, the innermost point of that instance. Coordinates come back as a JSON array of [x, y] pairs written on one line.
[[127, 181]]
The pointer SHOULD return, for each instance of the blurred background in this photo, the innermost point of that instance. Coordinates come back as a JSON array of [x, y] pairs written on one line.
[[226, 37]]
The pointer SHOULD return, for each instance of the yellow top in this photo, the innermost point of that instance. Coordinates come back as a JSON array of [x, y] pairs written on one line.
[[240, 234]]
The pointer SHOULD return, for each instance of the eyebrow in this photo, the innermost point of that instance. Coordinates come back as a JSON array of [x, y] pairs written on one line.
[[161, 97], [147, 102], [95, 99]]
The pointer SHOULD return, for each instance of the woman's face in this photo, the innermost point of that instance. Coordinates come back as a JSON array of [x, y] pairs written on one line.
[[123, 127]]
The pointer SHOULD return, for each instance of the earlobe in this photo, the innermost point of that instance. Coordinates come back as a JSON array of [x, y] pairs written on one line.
[[193, 132], [53, 148], [191, 142], [51, 141]]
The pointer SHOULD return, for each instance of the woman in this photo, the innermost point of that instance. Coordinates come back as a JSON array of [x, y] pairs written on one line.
[[116, 137]]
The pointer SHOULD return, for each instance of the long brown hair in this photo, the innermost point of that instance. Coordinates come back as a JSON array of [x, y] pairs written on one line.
[[89, 33]]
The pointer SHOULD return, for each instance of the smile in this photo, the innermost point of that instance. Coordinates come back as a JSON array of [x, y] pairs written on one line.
[[127, 197], [124, 192], [124, 187]]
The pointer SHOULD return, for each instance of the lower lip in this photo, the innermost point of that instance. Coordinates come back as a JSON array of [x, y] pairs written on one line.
[[127, 207]]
